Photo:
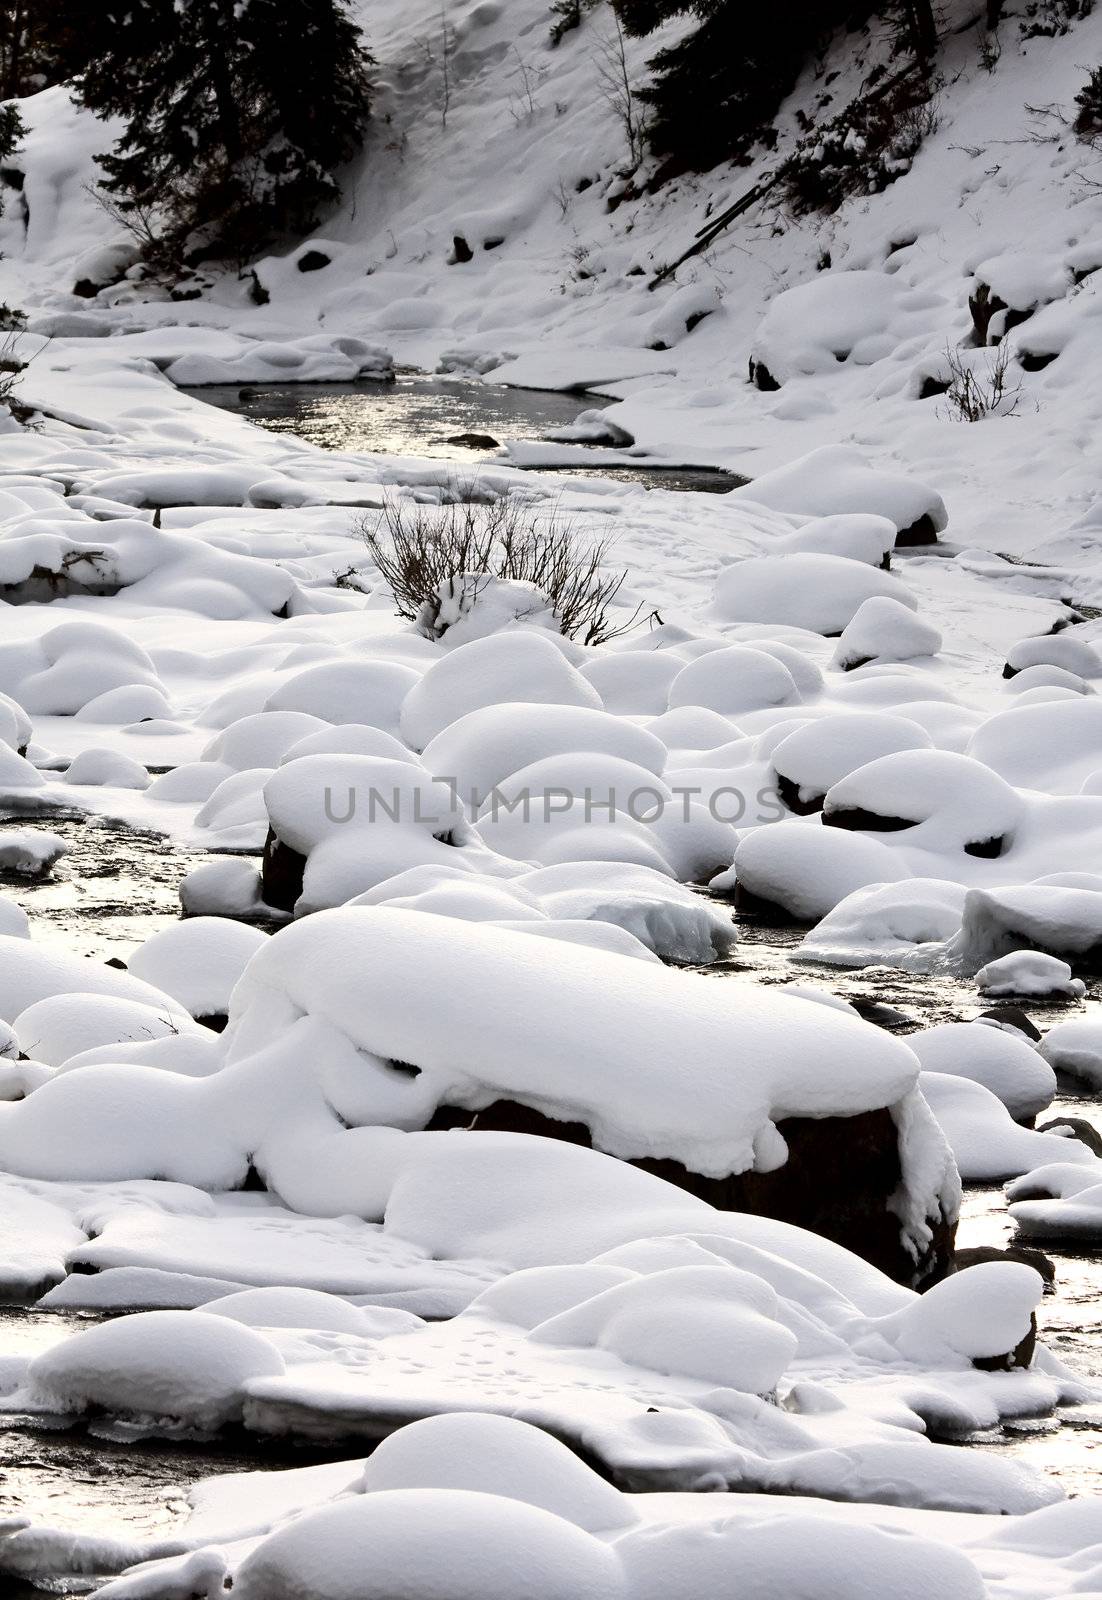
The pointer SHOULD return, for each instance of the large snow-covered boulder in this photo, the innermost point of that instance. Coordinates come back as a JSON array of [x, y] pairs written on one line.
[[838, 479], [804, 590]]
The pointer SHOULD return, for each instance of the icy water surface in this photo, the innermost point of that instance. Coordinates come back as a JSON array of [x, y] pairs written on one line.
[[114, 888], [420, 415]]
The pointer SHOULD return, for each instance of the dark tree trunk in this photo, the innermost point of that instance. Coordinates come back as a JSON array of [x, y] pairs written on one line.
[[921, 27]]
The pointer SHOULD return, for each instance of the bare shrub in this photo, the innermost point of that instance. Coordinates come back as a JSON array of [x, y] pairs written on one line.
[[619, 95], [429, 553], [974, 394]]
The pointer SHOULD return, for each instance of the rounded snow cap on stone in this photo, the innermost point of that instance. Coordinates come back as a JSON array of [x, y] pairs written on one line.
[[350, 739], [883, 630], [1029, 975], [856, 535], [1008, 1066], [803, 590], [513, 665], [940, 799], [107, 768], [807, 870], [53, 1029], [838, 478], [370, 692], [81, 661], [1054, 650], [1075, 1047], [716, 1323], [634, 683], [480, 749], [262, 738], [279, 1307], [817, 755], [198, 962], [837, 316], [790, 1555], [424, 1544], [180, 1364], [132, 702], [501, 1456], [733, 680], [1052, 747]]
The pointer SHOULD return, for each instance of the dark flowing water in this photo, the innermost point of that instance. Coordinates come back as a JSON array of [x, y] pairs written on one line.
[[418, 415]]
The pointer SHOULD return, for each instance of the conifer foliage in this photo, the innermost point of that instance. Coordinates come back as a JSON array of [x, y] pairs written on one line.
[[719, 84], [237, 114]]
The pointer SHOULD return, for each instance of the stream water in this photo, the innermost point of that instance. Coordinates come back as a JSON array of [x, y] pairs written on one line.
[[451, 419]]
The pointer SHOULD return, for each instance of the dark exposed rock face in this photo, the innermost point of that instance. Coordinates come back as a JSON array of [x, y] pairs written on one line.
[[790, 794], [839, 1178], [461, 251], [1020, 1356], [761, 377], [918, 533], [749, 904], [281, 874], [474, 441], [1082, 1130], [313, 261], [976, 1255], [1014, 1017], [859, 820]]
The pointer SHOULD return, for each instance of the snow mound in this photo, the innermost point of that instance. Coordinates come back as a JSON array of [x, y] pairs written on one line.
[[1029, 975], [882, 629], [481, 748], [808, 870], [61, 1025], [371, 692], [837, 479], [715, 1323], [180, 1364], [944, 801], [1040, 916], [810, 760], [987, 1144], [515, 665], [734, 680], [857, 536], [197, 962], [837, 317], [902, 925], [1003, 1063], [426, 1543], [501, 1456], [804, 590], [1075, 1047]]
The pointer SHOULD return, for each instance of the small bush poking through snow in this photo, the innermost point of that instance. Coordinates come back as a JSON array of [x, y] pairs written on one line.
[[439, 561], [980, 389]]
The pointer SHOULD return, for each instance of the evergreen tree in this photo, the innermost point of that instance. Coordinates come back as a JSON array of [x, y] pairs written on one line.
[[237, 113], [716, 88]]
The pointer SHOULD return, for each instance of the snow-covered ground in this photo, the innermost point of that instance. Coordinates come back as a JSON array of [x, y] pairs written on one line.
[[858, 696]]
